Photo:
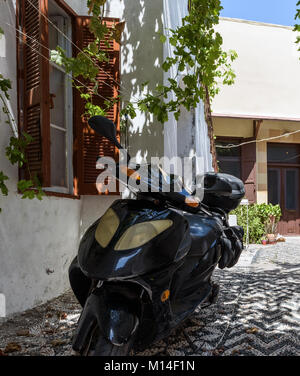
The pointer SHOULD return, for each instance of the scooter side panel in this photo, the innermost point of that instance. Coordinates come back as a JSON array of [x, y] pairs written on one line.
[[204, 232], [79, 282]]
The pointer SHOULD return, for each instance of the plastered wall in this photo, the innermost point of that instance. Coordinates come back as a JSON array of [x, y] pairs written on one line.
[[267, 70]]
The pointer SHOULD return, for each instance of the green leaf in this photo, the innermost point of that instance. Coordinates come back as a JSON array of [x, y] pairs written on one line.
[[24, 185], [162, 38], [3, 187]]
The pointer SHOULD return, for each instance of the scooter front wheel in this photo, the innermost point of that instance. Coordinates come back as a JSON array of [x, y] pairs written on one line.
[[100, 346]]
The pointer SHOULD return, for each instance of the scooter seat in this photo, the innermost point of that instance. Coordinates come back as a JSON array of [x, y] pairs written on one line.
[[204, 232]]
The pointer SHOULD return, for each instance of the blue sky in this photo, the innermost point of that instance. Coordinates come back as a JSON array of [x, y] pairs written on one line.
[[281, 12]]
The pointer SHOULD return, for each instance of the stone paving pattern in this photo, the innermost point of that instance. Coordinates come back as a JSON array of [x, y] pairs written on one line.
[[257, 313]]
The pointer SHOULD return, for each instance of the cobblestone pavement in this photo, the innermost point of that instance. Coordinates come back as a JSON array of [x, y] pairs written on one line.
[[257, 313]]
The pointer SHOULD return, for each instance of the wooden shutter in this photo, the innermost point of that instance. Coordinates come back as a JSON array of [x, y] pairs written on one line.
[[88, 145], [35, 67], [248, 156]]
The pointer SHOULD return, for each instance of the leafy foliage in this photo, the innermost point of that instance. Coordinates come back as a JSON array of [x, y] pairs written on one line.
[[259, 218], [265, 211], [297, 26], [198, 57], [5, 85], [15, 151], [3, 187], [31, 189]]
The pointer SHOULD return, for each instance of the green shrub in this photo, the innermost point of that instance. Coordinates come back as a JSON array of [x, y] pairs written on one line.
[[258, 216]]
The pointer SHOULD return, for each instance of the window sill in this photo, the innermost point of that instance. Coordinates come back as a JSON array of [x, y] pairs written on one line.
[[60, 194]]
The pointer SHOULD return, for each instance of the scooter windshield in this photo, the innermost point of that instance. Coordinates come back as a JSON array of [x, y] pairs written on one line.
[[153, 178], [153, 181]]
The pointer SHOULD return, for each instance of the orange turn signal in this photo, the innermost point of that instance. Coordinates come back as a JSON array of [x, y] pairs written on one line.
[[129, 172], [192, 201], [165, 295]]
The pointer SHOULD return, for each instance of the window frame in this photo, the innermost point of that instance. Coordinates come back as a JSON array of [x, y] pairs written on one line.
[[69, 97], [229, 140], [71, 191], [282, 145], [42, 120]]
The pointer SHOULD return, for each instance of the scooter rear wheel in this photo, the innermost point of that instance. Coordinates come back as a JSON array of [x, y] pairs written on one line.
[[100, 346]]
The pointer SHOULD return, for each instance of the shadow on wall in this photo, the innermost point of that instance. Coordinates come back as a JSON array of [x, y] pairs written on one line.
[[141, 60]]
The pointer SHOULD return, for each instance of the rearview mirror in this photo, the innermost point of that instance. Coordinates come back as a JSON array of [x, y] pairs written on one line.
[[107, 129]]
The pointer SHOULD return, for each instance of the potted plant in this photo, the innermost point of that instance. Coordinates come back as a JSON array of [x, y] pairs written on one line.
[[271, 229], [264, 240]]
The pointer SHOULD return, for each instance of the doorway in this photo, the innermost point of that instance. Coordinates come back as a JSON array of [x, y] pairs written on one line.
[[283, 185]]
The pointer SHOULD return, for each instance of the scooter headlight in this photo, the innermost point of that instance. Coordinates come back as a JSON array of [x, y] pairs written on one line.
[[107, 227], [141, 233]]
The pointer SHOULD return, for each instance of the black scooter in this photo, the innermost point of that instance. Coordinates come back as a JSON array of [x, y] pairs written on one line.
[[146, 264]]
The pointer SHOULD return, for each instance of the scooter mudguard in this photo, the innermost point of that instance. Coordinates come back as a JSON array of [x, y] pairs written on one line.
[[79, 282], [108, 263], [115, 309]]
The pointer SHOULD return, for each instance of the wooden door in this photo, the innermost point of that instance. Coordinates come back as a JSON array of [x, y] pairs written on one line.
[[248, 163], [283, 184], [283, 189]]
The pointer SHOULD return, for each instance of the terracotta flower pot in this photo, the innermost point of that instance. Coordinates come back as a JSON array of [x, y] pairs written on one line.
[[264, 242]]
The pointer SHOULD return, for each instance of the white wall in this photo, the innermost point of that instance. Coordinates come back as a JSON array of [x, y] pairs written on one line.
[[267, 69], [38, 239], [141, 59]]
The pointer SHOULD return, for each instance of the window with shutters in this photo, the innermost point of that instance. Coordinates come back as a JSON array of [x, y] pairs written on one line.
[[91, 145], [64, 150]]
